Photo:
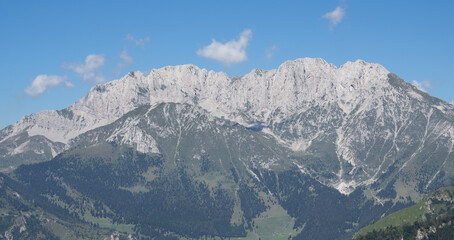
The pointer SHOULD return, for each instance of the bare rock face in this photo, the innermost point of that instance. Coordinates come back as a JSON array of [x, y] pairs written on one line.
[[255, 95], [360, 124]]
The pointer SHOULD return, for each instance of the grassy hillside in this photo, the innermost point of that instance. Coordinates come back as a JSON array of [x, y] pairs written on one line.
[[439, 228], [436, 205]]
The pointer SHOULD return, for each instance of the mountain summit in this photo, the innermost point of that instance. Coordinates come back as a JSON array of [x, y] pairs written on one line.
[[191, 152], [366, 122]]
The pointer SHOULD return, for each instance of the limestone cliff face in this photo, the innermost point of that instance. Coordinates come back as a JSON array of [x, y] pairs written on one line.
[[361, 124]]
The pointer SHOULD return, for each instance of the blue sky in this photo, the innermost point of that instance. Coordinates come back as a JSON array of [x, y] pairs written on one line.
[[53, 52]]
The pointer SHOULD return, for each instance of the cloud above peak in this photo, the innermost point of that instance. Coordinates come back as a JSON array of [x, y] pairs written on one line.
[[137, 41], [126, 62], [335, 17], [90, 69], [423, 85], [228, 53], [42, 82], [270, 52]]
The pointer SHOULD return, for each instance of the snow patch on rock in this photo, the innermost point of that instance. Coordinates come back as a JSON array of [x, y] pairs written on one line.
[[132, 135], [21, 148]]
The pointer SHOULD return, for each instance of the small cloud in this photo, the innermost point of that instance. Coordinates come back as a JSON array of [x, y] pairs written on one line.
[[139, 41], [127, 61], [423, 86], [270, 52], [125, 57], [90, 69], [69, 84], [229, 52], [43, 82], [335, 17]]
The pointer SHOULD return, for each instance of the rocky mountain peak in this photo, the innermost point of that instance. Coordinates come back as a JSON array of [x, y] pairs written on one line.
[[304, 104], [255, 95]]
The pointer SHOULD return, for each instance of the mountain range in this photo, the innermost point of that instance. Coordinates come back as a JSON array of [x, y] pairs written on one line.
[[210, 155]]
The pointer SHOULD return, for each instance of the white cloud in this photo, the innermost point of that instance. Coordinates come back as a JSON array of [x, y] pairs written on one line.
[[69, 84], [127, 61], [229, 52], [43, 82], [270, 52], [125, 57], [423, 86], [335, 17], [90, 69], [139, 41]]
